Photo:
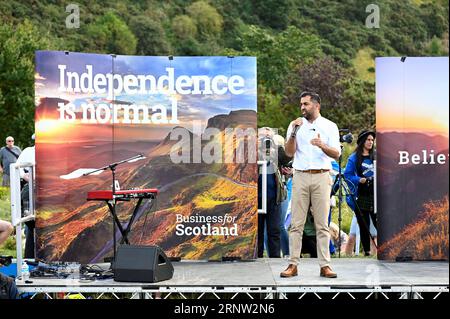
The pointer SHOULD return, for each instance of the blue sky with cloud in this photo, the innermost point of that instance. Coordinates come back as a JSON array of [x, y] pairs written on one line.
[[189, 106]]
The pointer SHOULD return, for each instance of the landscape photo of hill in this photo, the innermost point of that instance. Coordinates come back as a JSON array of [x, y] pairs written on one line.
[[412, 185], [431, 226], [222, 192], [412, 159], [187, 189]]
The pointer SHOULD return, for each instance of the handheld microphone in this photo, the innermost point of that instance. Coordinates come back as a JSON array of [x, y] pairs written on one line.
[[294, 132]]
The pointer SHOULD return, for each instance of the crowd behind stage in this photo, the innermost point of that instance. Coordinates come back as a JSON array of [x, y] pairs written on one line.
[[10, 154], [302, 182], [302, 188], [273, 227]]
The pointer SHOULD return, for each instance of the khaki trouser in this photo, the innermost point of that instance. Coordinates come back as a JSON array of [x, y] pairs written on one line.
[[315, 190]]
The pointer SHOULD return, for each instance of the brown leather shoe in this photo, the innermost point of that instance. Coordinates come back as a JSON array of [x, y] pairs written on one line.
[[290, 271], [327, 272]]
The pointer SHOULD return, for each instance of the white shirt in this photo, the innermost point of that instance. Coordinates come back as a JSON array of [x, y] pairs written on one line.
[[308, 156]]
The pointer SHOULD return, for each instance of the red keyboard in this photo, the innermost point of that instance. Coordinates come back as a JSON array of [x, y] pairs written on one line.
[[122, 194]]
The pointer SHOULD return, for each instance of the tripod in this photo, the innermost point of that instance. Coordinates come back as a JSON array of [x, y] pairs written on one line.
[[342, 184]]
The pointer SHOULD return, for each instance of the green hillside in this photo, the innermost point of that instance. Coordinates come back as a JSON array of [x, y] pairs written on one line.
[[322, 45]]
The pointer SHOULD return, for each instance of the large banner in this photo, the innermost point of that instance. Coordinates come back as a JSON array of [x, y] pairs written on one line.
[[412, 151], [194, 121]]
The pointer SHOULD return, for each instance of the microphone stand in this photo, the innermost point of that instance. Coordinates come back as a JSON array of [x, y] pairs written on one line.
[[112, 167]]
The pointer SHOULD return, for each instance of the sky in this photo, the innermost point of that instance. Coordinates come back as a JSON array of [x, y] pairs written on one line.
[[190, 107], [413, 96]]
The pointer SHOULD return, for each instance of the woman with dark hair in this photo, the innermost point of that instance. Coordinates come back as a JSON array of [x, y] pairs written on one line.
[[359, 171]]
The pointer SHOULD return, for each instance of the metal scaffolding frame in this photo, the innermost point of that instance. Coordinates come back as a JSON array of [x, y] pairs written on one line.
[[220, 292], [72, 288]]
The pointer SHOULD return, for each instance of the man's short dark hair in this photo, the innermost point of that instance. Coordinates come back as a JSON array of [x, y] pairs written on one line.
[[313, 96]]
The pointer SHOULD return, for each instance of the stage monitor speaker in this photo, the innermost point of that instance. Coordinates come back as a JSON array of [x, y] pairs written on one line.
[[142, 264]]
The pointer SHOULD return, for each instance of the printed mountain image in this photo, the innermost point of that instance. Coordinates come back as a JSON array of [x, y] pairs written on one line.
[[421, 198], [425, 239], [77, 230]]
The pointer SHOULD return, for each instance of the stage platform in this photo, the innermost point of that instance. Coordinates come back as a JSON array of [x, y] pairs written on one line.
[[260, 279]]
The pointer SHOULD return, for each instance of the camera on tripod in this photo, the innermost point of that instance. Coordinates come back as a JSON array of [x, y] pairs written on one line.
[[345, 136], [266, 143], [266, 146]]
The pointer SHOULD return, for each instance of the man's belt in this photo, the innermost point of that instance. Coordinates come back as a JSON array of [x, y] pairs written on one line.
[[314, 171]]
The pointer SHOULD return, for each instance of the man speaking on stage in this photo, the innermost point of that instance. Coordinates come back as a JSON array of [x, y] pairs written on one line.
[[313, 141]]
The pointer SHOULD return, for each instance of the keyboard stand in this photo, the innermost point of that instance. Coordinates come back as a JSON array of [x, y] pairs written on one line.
[[122, 195]]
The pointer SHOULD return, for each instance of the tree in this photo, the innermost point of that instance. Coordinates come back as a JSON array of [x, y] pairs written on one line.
[[151, 37], [279, 54], [184, 27], [271, 112], [435, 17], [208, 20], [274, 13], [435, 47], [17, 50], [347, 101], [109, 34]]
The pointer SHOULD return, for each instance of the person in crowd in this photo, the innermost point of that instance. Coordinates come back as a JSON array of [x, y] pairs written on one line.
[[8, 288], [5, 230], [350, 248], [8, 155], [338, 237], [360, 171], [286, 172], [276, 193], [27, 156], [309, 240], [314, 142]]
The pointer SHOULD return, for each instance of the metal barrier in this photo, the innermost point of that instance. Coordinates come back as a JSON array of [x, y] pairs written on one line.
[[16, 206]]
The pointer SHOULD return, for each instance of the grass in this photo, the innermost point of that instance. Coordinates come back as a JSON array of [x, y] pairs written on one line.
[[346, 214], [424, 239], [364, 64], [205, 201], [9, 247], [5, 205]]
